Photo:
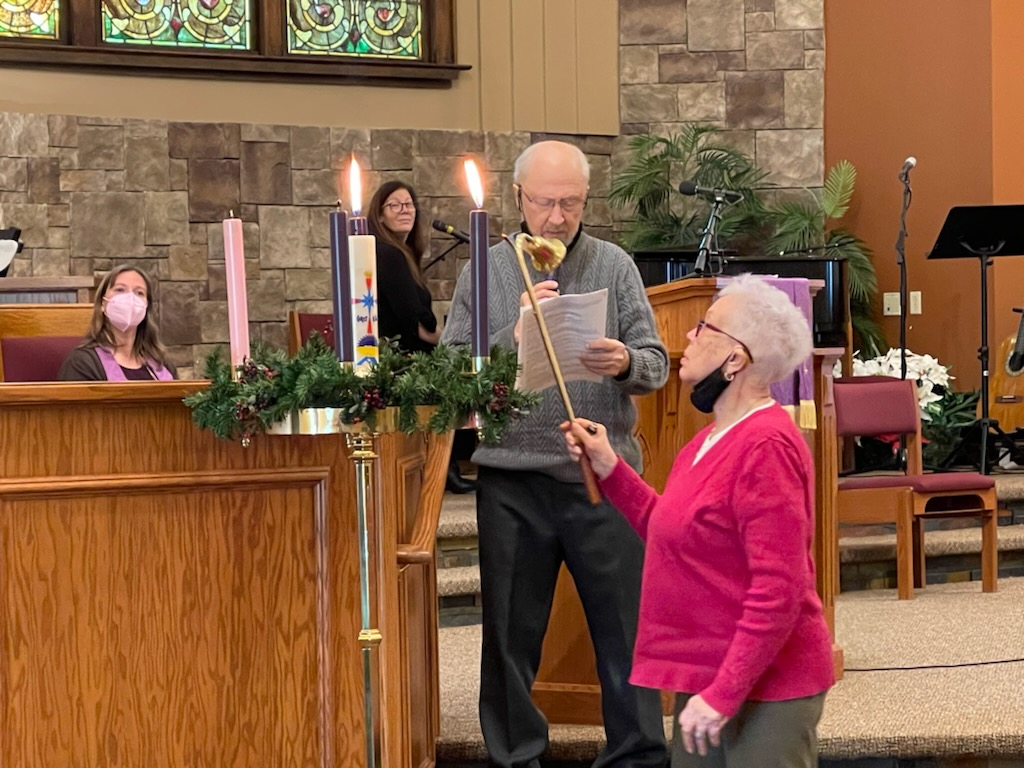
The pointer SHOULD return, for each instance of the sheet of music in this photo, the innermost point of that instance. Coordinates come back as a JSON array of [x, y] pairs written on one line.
[[572, 321]]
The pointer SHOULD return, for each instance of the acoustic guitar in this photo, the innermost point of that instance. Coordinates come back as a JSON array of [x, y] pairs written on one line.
[[1006, 389]]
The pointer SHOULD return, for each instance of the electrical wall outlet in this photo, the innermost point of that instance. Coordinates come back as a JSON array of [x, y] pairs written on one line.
[[891, 303], [915, 302]]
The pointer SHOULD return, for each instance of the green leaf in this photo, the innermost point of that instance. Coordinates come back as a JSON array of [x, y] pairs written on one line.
[[648, 184], [797, 226], [838, 191]]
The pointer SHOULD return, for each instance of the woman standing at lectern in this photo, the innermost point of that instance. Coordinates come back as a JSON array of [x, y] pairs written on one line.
[[406, 311], [123, 341]]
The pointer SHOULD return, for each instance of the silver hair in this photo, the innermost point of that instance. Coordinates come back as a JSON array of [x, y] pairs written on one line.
[[773, 328], [526, 157]]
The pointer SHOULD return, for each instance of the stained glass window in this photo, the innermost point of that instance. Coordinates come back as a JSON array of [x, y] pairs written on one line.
[[360, 28], [33, 19], [329, 41], [219, 24]]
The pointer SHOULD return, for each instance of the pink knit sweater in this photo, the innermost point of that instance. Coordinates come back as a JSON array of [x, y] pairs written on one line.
[[728, 607]]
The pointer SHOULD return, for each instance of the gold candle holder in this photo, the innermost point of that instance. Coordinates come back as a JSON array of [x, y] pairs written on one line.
[[363, 453]]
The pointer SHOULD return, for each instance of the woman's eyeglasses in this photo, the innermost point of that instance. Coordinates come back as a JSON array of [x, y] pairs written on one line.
[[702, 324], [399, 207]]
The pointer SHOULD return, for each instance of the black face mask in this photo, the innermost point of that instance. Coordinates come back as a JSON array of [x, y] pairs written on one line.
[[707, 391]]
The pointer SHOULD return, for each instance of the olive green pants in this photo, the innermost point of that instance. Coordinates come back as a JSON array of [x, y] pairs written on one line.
[[765, 734]]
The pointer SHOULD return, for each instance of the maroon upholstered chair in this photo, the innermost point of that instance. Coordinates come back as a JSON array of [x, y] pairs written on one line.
[[869, 406], [34, 338], [35, 358], [301, 324]]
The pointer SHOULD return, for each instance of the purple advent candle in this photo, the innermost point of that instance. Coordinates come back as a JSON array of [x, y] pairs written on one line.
[[341, 286]]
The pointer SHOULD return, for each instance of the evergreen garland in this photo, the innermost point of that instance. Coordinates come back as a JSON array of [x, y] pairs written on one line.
[[271, 385]]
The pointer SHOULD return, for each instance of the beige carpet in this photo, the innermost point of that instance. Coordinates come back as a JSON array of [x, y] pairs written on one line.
[[970, 710]]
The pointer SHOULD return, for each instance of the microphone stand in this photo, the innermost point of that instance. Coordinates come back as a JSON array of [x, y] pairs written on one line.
[[709, 240], [901, 261], [448, 250]]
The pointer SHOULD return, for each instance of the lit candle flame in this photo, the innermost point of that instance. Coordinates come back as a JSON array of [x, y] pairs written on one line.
[[355, 186], [476, 187]]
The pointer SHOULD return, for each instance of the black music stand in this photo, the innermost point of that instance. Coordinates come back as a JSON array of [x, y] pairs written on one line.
[[982, 232]]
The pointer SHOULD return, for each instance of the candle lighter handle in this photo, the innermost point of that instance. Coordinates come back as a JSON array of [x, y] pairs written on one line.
[[590, 480]]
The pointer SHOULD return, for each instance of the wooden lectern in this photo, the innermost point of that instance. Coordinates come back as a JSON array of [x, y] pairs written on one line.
[[567, 689], [172, 599]]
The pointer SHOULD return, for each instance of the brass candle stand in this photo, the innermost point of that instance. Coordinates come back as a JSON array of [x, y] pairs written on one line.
[[361, 440], [363, 453]]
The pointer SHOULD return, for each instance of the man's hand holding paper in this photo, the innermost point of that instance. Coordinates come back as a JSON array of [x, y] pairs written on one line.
[[607, 357], [576, 326]]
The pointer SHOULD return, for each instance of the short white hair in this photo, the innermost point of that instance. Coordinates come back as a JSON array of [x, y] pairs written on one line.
[[526, 157], [773, 328]]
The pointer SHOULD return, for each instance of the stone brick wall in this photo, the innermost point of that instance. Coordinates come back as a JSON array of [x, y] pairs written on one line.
[[90, 193], [752, 67]]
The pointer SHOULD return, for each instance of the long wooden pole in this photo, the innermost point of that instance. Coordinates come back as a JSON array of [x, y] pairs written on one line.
[[589, 478]]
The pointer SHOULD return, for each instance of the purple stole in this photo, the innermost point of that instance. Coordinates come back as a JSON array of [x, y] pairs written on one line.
[[796, 393], [114, 372]]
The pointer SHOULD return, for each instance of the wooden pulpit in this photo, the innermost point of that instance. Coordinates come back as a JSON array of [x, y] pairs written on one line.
[[177, 600], [567, 689]]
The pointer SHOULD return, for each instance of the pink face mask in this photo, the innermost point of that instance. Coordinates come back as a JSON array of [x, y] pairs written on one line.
[[125, 310]]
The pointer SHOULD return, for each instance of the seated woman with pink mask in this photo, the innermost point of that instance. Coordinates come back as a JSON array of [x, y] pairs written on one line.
[[123, 342]]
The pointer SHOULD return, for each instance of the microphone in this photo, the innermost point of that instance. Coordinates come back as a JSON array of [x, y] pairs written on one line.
[[909, 163], [449, 230], [728, 195]]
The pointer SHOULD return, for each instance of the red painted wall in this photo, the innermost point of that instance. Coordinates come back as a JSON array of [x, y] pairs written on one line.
[[914, 77]]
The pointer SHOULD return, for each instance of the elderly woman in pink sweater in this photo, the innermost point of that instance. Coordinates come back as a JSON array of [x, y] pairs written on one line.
[[729, 616]]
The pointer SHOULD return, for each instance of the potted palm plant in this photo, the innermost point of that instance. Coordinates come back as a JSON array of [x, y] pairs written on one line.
[[666, 225], [805, 227]]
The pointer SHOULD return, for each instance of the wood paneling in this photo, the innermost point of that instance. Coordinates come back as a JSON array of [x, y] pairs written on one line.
[[176, 600], [529, 84], [561, 91], [496, 65], [597, 66]]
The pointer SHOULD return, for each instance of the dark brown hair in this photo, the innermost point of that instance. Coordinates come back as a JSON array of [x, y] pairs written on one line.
[[414, 245], [147, 335]]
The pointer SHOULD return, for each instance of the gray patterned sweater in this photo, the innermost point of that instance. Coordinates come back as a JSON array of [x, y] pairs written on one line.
[[534, 441]]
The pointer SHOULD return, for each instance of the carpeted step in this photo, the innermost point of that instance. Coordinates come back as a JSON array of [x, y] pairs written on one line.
[[962, 541], [1009, 487], [458, 516], [458, 581]]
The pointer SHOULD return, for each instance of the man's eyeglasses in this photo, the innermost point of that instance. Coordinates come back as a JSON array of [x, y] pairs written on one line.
[[399, 207], [570, 205], [702, 324]]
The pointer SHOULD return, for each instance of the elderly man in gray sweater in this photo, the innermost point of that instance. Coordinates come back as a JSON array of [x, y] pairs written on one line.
[[532, 509]]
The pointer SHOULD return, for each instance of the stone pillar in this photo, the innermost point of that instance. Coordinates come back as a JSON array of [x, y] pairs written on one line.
[[753, 67]]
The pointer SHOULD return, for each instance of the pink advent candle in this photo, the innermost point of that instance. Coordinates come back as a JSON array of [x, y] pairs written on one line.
[[238, 300]]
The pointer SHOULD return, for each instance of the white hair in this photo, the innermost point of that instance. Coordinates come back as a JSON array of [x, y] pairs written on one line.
[[773, 328], [526, 157]]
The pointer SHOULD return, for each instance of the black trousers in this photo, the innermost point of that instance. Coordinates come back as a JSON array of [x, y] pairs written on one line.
[[528, 524]]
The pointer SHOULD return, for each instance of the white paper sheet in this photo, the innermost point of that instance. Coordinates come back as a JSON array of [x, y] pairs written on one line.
[[572, 321]]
